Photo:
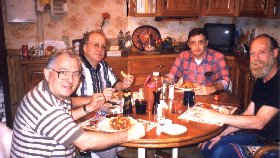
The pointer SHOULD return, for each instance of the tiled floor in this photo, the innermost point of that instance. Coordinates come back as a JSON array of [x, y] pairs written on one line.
[[187, 152]]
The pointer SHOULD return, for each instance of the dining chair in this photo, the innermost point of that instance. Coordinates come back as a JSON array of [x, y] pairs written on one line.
[[5, 140], [269, 150]]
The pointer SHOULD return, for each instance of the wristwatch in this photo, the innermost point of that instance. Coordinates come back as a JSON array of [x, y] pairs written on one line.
[[85, 109]]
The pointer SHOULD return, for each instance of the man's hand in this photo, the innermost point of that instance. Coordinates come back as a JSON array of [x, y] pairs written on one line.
[[97, 100], [207, 114], [213, 141], [135, 132], [204, 90], [108, 93], [128, 81]]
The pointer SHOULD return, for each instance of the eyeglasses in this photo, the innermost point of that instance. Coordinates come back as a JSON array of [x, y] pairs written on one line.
[[63, 75], [97, 45]]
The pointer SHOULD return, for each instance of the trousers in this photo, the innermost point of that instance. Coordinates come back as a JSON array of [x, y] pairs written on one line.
[[227, 146]]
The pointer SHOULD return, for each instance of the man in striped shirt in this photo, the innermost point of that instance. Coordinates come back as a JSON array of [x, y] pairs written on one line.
[[98, 77], [44, 124], [201, 65]]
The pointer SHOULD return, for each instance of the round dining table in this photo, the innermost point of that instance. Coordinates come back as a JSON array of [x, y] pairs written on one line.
[[197, 132]]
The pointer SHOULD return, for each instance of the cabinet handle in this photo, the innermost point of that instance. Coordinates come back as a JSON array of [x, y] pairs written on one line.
[[161, 66], [207, 4], [250, 78], [230, 67], [38, 72], [165, 4], [264, 4]]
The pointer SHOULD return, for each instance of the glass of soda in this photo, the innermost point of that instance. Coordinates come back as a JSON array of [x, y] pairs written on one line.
[[141, 105]]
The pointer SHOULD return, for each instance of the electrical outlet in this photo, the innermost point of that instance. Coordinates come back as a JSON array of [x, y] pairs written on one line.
[[66, 40]]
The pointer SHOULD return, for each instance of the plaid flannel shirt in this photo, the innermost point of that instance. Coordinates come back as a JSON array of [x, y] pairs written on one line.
[[213, 69]]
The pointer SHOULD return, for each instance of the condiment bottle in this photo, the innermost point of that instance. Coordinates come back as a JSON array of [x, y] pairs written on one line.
[[156, 101], [152, 83]]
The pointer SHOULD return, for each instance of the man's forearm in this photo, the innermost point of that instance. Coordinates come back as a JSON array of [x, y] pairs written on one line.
[[218, 87], [79, 101]]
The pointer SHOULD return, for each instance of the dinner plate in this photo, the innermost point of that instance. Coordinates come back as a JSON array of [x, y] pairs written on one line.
[[104, 125], [184, 89], [174, 129]]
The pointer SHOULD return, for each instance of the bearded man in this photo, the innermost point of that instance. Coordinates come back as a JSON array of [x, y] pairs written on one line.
[[260, 122]]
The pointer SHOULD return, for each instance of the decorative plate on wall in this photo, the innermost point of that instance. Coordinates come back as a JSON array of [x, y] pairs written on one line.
[[146, 38]]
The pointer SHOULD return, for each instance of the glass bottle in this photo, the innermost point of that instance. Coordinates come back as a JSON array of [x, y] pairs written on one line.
[[151, 84], [121, 40], [156, 101]]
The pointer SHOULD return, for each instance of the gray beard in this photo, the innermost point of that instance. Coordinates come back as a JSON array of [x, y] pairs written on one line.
[[264, 70]]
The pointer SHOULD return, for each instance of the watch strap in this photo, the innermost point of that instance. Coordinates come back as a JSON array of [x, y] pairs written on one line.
[[85, 109]]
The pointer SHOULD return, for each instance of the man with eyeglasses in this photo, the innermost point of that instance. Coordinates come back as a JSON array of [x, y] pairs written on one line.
[[98, 78], [45, 121], [98, 75]]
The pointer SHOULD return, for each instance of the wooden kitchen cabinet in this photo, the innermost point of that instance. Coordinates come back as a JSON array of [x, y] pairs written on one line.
[[142, 8], [274, 9], [142, 66], [191, 8], [254, 8], [245, 84], [179, 7], [219, 7], [32, 70], [118, 64], [32, 73], [234, 72]]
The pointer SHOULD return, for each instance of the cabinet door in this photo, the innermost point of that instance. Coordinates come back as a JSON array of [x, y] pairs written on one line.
[[254, 8], [218, 7], [234, 73], [245, 85], [32, 75], [274, 9], [141, 68], [179, 7], [118, 64], [142, 8]]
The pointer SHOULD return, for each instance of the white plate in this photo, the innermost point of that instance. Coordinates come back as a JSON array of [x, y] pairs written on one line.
[[174, 129], [104, 125], [184, 89]]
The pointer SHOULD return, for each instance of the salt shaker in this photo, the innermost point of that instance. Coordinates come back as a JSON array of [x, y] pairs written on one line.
[[171, 92]]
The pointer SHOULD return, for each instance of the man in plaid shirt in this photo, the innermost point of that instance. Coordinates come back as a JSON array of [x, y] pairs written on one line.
[[201, 65]]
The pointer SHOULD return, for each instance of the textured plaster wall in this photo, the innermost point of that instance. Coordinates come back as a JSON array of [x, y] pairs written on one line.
[[86, 15]]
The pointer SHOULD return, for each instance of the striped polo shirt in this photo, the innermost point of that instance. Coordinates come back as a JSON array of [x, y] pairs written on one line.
[[95, 79], [43, 126]]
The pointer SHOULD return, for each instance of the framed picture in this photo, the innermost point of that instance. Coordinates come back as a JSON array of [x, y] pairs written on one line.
[[76, 45]]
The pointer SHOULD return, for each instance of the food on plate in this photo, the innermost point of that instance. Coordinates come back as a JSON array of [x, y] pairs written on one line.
[[117, 97], [187, 85], [94, 122], [206, 106], [120, 123]]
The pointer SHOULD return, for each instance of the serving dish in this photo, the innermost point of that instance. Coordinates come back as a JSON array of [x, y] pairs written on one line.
[[146, 38]]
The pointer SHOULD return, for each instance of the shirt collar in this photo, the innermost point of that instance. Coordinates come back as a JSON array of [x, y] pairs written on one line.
[[45, 87], [204, 55], [87, 64]]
